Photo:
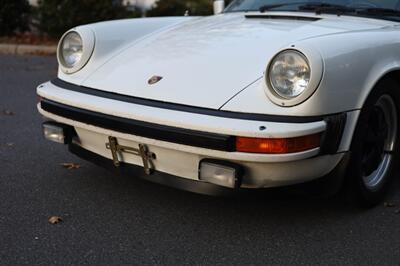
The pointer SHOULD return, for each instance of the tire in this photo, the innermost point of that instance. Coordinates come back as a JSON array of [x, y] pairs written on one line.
[[375, 146]]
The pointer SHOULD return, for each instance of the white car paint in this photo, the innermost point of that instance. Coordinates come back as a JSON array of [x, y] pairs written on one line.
[[219, 62], [198, 122], [220, 125], [113, 37], [195, 59], [262, 171]]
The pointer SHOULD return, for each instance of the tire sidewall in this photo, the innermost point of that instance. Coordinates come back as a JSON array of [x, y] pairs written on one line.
[[357, 188]]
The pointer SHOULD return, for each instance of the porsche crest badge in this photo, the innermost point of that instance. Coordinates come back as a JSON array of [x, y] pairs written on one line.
[[154, 80]]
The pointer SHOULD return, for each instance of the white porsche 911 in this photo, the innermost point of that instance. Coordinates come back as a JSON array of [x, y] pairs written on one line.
[[267, 93]]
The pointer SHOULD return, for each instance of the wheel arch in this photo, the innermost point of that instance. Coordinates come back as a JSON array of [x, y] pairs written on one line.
[[391, 74], [353, 117]]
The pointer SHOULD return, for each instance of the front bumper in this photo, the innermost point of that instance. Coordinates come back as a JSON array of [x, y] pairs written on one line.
[[327, 185], [182, 139]]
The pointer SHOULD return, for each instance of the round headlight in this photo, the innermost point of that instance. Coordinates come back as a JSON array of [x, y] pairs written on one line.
[[71, 49], [75, 49], [289, 74]]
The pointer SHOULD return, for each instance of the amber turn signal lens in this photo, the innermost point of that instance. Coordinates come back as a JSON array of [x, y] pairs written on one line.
[[278, 146]]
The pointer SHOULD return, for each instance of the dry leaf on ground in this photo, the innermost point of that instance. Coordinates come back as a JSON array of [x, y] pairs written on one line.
[[8, 112], [71, 166], [389, 205], [55, 220]]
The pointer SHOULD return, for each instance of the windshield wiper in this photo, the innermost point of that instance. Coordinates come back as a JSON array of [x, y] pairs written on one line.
[[318, 7], [326, 8], [265, 8], [379, 11]]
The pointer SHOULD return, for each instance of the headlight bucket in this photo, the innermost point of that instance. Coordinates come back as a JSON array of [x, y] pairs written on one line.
[[75, 49], [293, 76]]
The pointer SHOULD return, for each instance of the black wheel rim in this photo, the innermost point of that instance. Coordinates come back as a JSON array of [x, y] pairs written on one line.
[[379, 143]]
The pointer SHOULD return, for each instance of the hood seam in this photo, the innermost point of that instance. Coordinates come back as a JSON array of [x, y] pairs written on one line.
[[236, 94]]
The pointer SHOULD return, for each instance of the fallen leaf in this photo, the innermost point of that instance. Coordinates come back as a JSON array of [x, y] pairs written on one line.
[[389, 205], [8, 112], [55, 220], [71, 166]]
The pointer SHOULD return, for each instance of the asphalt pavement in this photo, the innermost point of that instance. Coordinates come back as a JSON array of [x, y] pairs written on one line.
[[116, 220]]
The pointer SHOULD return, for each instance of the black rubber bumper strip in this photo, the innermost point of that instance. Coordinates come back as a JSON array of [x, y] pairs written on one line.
[[143, 129], [185, 108]]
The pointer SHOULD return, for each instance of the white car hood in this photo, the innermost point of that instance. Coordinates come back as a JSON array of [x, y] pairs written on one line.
[[208, 61]]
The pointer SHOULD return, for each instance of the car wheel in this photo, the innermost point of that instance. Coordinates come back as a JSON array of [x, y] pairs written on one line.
[[374, 150]]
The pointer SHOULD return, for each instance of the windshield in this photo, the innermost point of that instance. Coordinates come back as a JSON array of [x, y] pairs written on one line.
[[375, 8]]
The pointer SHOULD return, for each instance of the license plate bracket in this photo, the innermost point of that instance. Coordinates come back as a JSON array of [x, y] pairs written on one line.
[[142, 151]]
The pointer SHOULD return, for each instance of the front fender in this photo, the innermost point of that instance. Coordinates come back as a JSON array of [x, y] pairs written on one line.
[[353, 64], [113, 37]]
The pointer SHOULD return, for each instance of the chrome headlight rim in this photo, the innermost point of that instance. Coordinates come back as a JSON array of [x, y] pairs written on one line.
[[316, 68], [88, 43]]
